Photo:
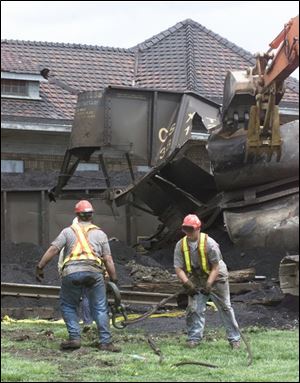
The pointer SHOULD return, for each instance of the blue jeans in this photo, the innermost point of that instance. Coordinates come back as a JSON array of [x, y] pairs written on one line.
[[195, 318], [86, 312], [70, 294]]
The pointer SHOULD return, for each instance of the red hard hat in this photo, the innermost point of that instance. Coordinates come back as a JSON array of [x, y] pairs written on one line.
[[84, 207], [193, 221]]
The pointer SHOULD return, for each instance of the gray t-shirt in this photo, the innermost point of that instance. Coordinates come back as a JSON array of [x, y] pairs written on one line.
[[67, 239], [213, 254]]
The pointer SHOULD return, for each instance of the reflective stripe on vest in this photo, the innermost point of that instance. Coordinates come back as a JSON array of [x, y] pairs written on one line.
[[82, 250], [202, 253]]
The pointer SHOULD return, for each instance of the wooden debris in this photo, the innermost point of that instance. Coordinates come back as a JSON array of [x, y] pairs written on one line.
[[244, 275], [240, 281]]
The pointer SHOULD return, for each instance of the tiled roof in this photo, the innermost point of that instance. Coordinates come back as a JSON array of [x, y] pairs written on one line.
[[14, 61], [186, 56], [81, 67], [55, 104], [190, 56]]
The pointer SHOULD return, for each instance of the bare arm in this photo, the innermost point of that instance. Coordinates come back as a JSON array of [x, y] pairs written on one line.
[[213, 274], [181, 275], [110, 267], [46, 258]]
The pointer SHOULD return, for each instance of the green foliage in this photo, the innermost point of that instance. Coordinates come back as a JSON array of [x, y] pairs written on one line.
[[38, 358]]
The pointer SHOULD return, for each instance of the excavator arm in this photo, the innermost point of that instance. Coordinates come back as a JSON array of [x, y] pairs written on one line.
[[251, 97], [271, 70], [286, 59]]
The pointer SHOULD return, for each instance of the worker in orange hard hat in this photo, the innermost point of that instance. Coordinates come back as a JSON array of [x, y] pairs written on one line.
[[85, 306], [199, 266], [86, 255]]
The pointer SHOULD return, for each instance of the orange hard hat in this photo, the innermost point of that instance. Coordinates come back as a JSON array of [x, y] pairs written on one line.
[[193, 221], [84, 207]]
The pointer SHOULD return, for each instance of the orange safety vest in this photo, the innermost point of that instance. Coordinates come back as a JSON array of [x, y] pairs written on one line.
[[82, 249], [204, 264]]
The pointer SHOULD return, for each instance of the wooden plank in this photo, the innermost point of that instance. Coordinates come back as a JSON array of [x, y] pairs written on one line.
[[170, 288], [244, 275]]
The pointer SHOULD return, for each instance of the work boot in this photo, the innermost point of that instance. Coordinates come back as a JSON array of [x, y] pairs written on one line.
[[192, 343], [70, 344], [109, 347], [235, 345]]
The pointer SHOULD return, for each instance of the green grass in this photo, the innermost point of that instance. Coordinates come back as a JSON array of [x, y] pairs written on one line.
[[275, 357]]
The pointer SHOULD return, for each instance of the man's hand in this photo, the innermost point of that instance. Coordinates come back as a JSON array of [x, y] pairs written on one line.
[[190, 288], [39, 274], [206, 290], [115, 281]]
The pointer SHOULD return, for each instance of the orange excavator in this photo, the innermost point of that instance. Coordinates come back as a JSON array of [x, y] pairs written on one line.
[[251, 101], [263, 85]]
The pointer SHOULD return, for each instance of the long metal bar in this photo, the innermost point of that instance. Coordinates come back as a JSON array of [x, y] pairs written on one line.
[[64, 176], [42, 291], [160, 90], [128, 159], [104, 170], [44, 221], [258, 189], [261, 199], [128, 224]]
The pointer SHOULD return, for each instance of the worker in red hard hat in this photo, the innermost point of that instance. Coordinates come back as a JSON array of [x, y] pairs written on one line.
[[199, 266], [86, 257]]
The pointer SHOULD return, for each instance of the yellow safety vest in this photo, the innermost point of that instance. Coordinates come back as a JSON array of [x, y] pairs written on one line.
[[204, 265], [82, 250]]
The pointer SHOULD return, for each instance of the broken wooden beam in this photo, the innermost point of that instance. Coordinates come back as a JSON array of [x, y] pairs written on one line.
[[243, 275], [168, 288]]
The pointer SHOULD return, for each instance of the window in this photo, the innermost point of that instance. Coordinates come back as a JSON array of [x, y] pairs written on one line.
[[14, 87], [12, 166], [87, 166], [198, 125]]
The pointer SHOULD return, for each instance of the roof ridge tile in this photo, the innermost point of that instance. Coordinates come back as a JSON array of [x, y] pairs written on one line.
[[64, 45]]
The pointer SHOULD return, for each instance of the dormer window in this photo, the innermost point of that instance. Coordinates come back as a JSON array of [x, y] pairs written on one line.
[[20, 85], [14, 88]]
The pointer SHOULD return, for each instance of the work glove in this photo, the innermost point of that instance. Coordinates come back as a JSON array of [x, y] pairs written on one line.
[[190, 288], [205, 290], [39, 274]]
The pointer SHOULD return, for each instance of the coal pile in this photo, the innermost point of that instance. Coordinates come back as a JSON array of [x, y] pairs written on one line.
[[18, 262], [160, 258], [265, 261], [122, 254]]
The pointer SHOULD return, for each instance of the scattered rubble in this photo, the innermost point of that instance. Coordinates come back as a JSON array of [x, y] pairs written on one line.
[[140, 273]]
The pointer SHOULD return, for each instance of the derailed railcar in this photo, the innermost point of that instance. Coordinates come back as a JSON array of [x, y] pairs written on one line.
[[195, 165]]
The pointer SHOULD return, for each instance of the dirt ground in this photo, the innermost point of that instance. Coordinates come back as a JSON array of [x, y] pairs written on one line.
[[283, 316], [18, 264]]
